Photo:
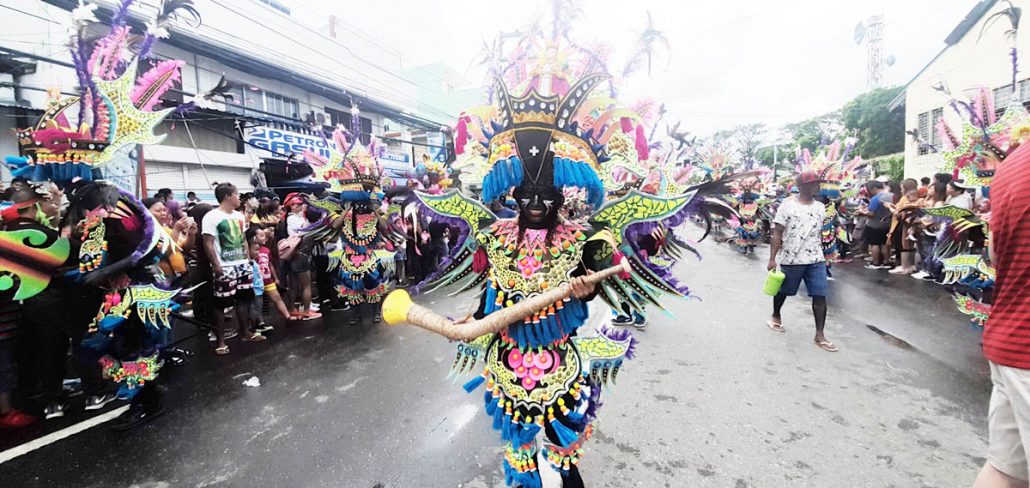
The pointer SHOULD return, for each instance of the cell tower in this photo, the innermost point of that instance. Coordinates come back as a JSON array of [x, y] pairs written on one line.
[[874, 48], [870, 33]]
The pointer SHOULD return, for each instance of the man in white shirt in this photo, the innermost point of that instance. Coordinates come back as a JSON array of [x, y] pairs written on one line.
[[226, 247], [958, 196], [797, 240]]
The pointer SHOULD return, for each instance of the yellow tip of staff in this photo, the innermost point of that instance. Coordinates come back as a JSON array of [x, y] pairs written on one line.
[[395, 307]]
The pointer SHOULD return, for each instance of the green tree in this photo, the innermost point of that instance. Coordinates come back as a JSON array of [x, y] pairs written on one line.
[[880, 131]]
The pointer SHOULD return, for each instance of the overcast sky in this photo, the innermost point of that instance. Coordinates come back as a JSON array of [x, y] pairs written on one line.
[[732, 61]]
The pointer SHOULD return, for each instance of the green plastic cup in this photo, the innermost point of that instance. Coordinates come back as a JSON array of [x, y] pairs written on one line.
[[773, 282]]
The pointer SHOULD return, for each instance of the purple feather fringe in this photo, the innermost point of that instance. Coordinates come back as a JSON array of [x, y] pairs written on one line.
[[149, 229], [1015, 67], [146, 46], [121, 14], [594, 402]]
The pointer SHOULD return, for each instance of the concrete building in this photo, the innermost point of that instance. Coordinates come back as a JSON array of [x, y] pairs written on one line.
[[967, 62], [293, 70]]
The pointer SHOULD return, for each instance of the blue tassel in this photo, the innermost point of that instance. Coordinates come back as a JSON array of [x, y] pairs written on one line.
[[546, 330], [518, 171], [575, 417], [474, 383], [566, 436], [526, 434], [506, 427], [498, 416], [531, 339], [488, 400]]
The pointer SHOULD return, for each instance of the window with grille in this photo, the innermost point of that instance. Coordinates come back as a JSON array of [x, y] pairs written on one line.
[[924, 132], [282, 106], [935, 135], [1002, 96]]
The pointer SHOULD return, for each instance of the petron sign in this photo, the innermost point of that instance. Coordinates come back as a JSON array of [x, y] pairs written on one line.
[[285, 141]]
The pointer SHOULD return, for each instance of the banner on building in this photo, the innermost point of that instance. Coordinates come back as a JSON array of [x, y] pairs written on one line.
[[285, 142]]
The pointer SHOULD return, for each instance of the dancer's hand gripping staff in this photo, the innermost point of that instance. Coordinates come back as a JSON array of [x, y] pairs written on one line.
[[398, 308]]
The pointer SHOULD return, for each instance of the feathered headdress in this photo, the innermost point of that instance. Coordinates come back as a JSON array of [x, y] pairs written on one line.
[[547, 126], [983, 140], [351, 169], [117, 105], [832, 165]]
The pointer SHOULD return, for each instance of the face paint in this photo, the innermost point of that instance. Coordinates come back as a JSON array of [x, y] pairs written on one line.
[[538, 206]]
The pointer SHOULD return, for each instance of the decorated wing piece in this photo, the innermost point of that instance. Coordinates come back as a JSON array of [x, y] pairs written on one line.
[[469, 217], [957, 224], [28, 259], [977, 311]]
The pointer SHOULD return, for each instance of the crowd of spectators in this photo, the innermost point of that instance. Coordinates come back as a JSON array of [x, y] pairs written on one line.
[[889, 230], [243, 253]]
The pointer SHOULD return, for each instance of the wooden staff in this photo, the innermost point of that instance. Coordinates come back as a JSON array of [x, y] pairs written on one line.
[[398, 308]]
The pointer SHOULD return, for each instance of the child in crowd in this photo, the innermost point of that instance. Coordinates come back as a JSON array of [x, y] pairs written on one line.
[[262, 257], [257, 321]]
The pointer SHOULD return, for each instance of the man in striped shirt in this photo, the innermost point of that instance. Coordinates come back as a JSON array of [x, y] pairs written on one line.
[[1006, 339]]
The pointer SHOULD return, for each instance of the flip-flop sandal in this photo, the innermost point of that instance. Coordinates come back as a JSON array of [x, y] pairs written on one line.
[[222, 351], [254, 338], [776, 327], [827, 346]]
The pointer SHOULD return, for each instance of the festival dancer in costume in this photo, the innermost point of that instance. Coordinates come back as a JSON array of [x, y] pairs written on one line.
[[120, 242], [543, 381], [972, 154], [362, 261], [747, 203]]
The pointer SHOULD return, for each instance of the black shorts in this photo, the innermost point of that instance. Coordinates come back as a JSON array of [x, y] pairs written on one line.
[[300, 263], [874, 236]]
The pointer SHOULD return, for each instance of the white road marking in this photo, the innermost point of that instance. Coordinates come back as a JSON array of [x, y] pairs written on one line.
[[60, 434]]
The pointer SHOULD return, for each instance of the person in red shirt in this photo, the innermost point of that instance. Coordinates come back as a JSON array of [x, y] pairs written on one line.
[[1006, 338]]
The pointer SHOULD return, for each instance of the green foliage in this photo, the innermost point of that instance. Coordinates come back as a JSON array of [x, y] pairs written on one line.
[[879, 130], [892, 166]]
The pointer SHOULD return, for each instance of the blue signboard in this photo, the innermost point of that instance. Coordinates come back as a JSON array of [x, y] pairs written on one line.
[[283, 141]]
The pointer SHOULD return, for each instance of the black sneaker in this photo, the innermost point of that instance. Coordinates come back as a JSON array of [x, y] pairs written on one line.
[[262, 328], [96, 402], [339, 307], [622, 320], [136, 416], [639, 320], [55, 410]]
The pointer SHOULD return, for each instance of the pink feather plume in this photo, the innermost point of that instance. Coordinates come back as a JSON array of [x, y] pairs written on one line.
[[461, 135], [154, 83], [641, 144]]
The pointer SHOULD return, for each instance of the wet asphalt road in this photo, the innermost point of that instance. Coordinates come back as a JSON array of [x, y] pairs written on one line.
[[714, 399]]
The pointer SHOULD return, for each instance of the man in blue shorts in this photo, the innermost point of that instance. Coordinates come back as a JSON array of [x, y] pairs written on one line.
[[797, 241]]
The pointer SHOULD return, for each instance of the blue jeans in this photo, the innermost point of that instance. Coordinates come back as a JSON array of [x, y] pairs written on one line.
[[814, 276]]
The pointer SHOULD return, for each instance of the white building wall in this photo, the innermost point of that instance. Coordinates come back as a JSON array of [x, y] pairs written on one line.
[[298, 43], [964, 67]]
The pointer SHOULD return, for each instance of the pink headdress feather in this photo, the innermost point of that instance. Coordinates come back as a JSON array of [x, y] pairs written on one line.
[[154, 83]]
